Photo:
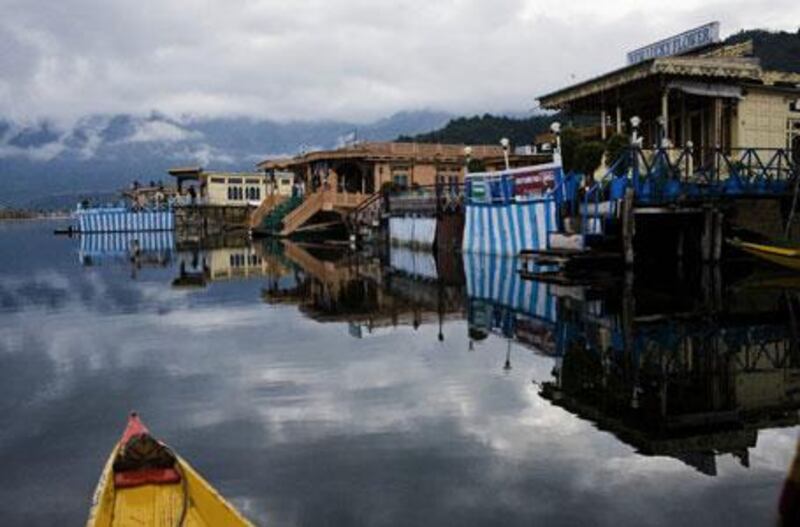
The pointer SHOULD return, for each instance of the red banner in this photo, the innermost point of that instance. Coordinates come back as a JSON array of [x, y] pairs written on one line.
[[534, 181]]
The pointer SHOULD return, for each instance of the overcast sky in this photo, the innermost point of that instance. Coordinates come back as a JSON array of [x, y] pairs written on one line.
[[308, 59]]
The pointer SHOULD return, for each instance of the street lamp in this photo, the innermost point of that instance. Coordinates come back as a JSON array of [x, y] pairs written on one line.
[[467, 158], [635, 122], [505, 143], [555, 127]]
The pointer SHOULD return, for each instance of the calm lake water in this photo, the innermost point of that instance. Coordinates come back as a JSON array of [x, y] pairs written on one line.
[[314, 387]]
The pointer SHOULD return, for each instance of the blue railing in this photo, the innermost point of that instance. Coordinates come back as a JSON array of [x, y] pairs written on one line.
[[668, 175]]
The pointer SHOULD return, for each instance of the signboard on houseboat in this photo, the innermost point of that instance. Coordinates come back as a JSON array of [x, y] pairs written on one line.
[[516, 183], [675, 45], [536, 180]]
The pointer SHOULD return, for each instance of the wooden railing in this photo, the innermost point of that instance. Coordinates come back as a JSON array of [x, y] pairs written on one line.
[[318, 201]]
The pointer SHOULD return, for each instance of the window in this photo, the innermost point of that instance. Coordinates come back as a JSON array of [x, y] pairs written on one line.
[[793, 140], [235, 193], [400, 179], [218, 180]]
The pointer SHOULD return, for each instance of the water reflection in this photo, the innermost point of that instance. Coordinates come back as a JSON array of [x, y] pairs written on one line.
[[690, 370], [315, 385]]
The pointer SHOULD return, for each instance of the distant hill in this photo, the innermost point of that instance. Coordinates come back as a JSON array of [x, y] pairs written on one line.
[[45, 166], [486, 129], [777, 50]]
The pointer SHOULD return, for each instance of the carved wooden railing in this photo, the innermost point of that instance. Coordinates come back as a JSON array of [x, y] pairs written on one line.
[[321, 200]]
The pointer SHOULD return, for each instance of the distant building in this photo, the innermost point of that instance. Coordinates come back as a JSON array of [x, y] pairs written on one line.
[[236, 189], [363, 168]]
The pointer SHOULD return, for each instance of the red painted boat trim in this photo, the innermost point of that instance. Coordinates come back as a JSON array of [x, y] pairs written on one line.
[[146, 476]]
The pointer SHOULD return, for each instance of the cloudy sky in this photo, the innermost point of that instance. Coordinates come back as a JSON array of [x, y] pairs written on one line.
[[307, 59]]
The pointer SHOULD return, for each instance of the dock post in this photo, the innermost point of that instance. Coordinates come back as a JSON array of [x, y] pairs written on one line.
[[680, 249], [706, 237], [717, 236], [628, 226]]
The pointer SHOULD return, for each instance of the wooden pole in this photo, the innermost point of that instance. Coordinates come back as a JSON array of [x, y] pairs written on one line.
[[603, 124], [706, 237], [665, 115], [628, 226], [718, 217]]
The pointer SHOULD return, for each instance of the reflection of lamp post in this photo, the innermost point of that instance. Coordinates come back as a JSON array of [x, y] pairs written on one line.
[[505, 143], [507, 365]]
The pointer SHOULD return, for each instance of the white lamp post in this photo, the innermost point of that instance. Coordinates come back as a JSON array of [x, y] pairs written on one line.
[[505, 143], [635, 122], [555, 127], [467, 158]]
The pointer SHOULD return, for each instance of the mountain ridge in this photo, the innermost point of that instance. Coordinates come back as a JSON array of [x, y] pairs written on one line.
[[106, 152]]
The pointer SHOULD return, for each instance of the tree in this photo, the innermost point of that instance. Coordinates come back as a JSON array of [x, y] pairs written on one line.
[[588, 156], [616, 145], [570, 139]]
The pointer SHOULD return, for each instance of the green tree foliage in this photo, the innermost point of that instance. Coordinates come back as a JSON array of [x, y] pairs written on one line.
[[588, 156], [615, 146], [570, 139], [486, 129], [779, 50]]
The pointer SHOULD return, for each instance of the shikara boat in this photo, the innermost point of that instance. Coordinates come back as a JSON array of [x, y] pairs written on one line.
[[784, 256], [144, 483]]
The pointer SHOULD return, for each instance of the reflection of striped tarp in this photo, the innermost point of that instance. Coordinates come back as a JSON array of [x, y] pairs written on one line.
[[415, 263], [123, 220], [413, 231], [495, 279], [506, 229], [120, 243]]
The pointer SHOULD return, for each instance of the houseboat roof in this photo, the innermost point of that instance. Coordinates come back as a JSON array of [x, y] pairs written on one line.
[[389, 151], [724, 62], [185, 171]]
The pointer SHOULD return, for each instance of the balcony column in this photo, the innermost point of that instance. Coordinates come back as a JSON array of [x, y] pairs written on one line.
[[603, 124], [665, 116], [619, 119]]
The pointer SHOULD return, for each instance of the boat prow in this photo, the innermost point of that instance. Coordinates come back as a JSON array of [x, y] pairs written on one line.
[[145, 483], [783, 256]]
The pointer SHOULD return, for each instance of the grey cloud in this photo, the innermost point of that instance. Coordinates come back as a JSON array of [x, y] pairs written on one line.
[[319, 59]]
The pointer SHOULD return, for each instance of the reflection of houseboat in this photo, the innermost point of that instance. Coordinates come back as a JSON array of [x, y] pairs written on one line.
[[198, 266], [154, 248], [337, 286], [691, 372]]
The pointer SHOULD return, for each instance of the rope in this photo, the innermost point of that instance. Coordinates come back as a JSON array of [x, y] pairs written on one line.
[[185, 489], [790, 219]]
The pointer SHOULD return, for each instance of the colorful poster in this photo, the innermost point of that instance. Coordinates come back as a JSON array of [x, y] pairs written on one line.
[[534, 181]]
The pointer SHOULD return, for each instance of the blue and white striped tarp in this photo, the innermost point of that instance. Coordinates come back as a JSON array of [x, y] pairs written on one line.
[[494, 279], [110, 245], [412, 231], [414, 263], [119, 219], [508, 228]]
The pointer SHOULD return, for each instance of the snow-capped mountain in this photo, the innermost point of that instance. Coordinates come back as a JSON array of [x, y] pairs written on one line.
[[41, 161]]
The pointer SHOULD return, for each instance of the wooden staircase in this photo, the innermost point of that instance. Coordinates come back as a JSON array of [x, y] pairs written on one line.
[[266, 206], [322, 200]]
